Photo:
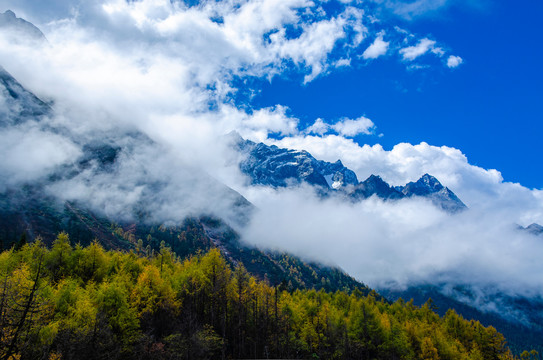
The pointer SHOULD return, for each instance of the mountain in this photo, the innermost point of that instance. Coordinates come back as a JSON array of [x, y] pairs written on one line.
[[429, 187], [534, 229], [114, 164], [20, 104], [374, 185], [19, 29], [519, 318], [276, 167]]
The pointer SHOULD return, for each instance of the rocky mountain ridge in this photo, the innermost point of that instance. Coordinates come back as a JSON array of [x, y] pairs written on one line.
[[277, 167]]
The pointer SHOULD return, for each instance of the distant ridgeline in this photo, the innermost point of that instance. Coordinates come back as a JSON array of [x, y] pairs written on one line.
[[89, 303], [277, 167]]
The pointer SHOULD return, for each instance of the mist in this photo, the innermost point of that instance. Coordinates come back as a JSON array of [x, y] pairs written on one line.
[[399, 243], [156, 81]]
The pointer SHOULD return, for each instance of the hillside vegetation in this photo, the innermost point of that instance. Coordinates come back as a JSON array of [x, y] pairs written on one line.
[[88, 303]]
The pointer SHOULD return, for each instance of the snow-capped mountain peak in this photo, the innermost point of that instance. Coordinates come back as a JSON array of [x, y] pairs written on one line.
[[270, 165]]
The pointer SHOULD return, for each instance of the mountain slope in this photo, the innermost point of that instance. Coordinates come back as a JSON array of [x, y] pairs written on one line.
[[97, 304], [40, 208], [19, 29], [19, 103], [28, 212]]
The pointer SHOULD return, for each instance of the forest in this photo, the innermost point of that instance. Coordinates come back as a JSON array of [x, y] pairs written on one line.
[[84, 302]]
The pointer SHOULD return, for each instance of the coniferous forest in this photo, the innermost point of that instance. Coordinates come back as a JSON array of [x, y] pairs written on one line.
[[80, 302]]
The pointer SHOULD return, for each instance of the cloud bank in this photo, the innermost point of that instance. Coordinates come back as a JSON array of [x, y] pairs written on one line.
[[397, 244]]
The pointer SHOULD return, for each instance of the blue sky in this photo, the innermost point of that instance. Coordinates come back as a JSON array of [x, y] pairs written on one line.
[[490, 107]]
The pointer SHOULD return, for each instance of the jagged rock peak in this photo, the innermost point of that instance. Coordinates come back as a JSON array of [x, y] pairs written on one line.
[[534, 228], [20, 27], [428, 186], [375, 178], [430, 181], [374, 185]]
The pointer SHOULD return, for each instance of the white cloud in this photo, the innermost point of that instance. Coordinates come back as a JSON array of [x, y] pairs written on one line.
[[344, 127], [319, 127], [438, 51], [165, 69], [251, 36], [30, 153], [412, 52], [261, 123], [318, 40], [454, 61], [343, 62], [413, 9], [351, 128], [406, 242], [378, 48]]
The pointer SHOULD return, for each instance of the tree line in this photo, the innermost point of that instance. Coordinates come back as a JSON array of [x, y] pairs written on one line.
[[75, 302]]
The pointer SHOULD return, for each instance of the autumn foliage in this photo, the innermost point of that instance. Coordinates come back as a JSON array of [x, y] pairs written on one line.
[[87, 303]]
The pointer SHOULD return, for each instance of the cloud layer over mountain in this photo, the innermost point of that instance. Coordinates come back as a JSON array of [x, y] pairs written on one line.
[[170, 71]]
